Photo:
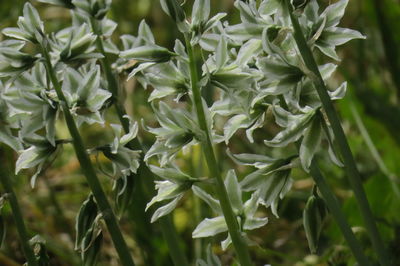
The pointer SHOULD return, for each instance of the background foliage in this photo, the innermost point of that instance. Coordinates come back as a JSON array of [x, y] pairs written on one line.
[[371, 117]]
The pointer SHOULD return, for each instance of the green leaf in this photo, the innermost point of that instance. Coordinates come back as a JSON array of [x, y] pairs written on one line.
[[313, 216], [89, 84], [167, 190], [251, 205], [213, 203], [173, 9], [176, 12], [311, 142], [213, 22], [293, 132], [84, 220], [133, 130], [221, 54], [271, 190], [327, 70], [339, 93], [171, 174], [328, 50], [244, 31], [248, 51], [234, 123], [145, 33], [32, 18], [247, 12], [256, 179], [338, 36], [200, 12], [311, 10], [210, 227], [16, 33], [269, 7], [334, 13], [166, 209], [279, 69], [148, 53], [234, 191], [231, 79], [256, 160], [254, 223], [91, 246], [34, 156], [7, 138]]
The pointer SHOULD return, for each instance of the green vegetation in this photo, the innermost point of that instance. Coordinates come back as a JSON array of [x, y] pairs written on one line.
[[199, 132]]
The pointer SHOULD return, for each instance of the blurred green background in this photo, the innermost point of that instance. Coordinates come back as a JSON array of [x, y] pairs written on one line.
[[371, 118]]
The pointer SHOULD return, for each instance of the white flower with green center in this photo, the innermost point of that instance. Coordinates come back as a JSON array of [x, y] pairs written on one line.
[[84, 96]]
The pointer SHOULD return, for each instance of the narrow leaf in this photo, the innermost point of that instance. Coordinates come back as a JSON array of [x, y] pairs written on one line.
[[311, 142]]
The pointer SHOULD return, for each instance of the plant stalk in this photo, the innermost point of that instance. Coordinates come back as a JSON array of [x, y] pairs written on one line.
[[350, 166], [334, 207], [392, 178], [167, 227], [18, 219], [88, 170], [113, 86], [230, 218], [173, 241]]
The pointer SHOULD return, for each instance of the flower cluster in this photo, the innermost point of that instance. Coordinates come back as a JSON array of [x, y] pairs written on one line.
[[256, 69], [29, 98], [44, 75]]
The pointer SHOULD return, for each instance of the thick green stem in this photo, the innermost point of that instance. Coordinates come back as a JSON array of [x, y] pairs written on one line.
[[88, 170], [230, 218], [350, 166], [167, 227], [18, 219], [334, 208]]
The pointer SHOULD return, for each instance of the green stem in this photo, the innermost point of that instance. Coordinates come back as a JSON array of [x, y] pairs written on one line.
[[113, 86], [350, 166], [18, 219], [196, 166], [393, 179], [88, 170], [173, 241], [167, 227], [230, 218], [60, 219], [334, 208]]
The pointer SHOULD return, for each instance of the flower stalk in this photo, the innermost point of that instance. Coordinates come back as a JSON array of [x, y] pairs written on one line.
[[233, 226], [112, 84], [88, 170], [18, 219], [167, 227], [350, 166], [334, 208]]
